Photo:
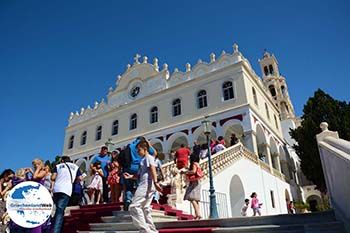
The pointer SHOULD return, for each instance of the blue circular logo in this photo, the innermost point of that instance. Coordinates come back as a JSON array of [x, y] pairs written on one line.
[[29, 204]]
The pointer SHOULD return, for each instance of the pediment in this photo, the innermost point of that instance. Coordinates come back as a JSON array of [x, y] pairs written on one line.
[[140, 71]]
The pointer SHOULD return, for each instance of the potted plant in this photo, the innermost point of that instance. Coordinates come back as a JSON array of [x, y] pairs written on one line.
[[301, 207]]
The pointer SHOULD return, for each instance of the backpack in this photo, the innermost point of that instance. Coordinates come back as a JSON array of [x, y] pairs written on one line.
[[197, 176], [124, 158]]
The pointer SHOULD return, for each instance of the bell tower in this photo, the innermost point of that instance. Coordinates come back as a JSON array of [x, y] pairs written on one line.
[[276, 85]]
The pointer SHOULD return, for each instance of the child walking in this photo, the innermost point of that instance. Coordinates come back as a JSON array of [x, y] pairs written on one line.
[[140, 207], [245, 208], [255, 205], [95, 188]]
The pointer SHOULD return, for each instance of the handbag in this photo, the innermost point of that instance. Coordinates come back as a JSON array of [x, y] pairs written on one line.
[[197, 176]]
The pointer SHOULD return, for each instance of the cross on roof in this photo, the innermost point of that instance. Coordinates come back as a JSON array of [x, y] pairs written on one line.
[[136, 58]]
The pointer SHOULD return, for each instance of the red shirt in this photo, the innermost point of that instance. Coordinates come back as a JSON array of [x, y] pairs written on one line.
[[181, 156]]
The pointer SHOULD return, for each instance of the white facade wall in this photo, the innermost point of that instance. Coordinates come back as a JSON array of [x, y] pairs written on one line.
[[253, 179]]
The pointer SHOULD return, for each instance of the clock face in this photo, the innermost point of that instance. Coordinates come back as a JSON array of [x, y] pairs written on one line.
[[135, 91]]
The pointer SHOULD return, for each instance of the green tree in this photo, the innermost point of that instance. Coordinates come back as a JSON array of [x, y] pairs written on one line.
[[319, 108]]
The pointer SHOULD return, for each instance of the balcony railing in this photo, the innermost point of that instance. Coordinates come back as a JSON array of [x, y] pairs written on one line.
[[222, 160]]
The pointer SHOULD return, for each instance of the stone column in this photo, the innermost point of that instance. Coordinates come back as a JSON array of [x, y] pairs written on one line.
[[279, 164], [190, 138], [268, 155]]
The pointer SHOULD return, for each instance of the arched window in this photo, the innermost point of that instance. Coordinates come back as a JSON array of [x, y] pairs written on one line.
[[202, 99], [266, 71], [71, 142], [154, 115], [83, 138], [271, 69], [133, 121], [267, 111], [227, 89], [254, 96], [176, 107], [115, 127], [272, 90], [283, 90], [98, 133]]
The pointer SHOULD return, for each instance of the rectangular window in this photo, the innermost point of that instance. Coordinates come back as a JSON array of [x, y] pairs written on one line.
[[154, 117], [177, 110], [255, 96], [276, 122], [272, 199], [133, 124], [99, 133]]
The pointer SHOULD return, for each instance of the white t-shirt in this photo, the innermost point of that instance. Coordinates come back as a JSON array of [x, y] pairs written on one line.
[[63, 182], [145, 177]]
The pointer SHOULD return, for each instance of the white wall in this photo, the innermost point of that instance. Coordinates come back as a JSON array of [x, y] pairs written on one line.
[[335, 158], [254, 179]]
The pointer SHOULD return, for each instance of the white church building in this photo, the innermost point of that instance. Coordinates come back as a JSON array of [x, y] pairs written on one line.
[[168, 108]]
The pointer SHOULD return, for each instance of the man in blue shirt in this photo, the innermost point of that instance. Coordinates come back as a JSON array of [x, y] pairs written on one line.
[[130, 185], [104, 159]]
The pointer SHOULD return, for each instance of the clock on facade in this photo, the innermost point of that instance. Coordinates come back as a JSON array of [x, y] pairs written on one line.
[[134, 91]]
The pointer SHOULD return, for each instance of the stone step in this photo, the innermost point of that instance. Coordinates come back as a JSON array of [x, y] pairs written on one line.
[[299, 223], [286, 219], [127, 213], [127, 218], [110, 227], [329, 227], [107, 231], [325, 227]]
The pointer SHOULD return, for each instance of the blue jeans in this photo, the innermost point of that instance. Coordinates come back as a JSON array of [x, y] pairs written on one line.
[[61, 201], [130, 187]]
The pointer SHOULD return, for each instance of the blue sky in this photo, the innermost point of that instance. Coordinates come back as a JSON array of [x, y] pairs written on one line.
[[59, 56]]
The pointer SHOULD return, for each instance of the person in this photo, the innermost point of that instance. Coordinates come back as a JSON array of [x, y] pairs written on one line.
[[5, 182], [245, 207], [63, 176], [212, 145], [104, 159], [158, 162], [40, 172], [38, 176], [19, 177], [233, 139], [218, 147], [193, 190], [95, 188], [255, 205], [139, 208], [47, 179], [181, 157], [204, 151], [130, 161], [77, 193], [222, 141], [172, 155], [114, 178], [196, 150], [291, 208], [160, 175]]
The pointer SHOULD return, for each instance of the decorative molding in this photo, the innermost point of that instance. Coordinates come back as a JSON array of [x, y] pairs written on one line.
[[237, 117]]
